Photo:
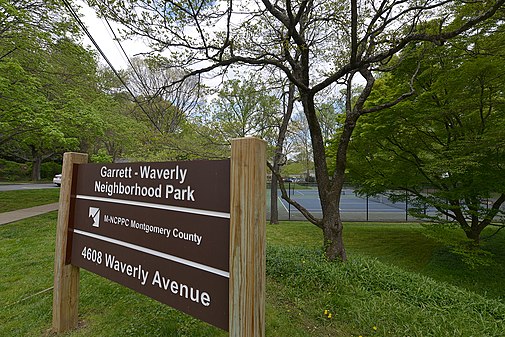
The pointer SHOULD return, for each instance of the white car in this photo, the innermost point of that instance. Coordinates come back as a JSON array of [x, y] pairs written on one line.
[[57, 179]]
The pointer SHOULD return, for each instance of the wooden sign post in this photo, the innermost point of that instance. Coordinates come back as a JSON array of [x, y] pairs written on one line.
[[247, 237], [190, 234], [66, 276]]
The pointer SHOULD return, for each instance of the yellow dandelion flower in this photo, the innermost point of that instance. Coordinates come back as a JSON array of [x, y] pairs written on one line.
[[375, 328], [329, 315], [326, 312]]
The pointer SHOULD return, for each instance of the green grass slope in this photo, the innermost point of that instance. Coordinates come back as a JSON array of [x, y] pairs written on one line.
[[384, 289]]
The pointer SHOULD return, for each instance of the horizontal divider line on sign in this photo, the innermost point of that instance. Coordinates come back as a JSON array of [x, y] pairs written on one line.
[[215, 214], [162, 255]]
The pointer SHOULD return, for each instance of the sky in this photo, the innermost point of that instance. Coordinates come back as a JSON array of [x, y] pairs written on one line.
[[100, 31]]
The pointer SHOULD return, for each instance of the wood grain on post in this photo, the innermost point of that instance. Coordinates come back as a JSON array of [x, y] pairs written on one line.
[[66, 276], [247, 238]]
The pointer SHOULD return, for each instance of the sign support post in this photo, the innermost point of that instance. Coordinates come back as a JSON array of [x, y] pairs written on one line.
[[247, 237], [66, 276]]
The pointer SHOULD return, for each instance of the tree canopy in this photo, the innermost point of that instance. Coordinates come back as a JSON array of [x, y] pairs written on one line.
[[52, 98], [445, 145]]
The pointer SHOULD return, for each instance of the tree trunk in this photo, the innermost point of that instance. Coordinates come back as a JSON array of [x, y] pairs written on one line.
[[37, 163], [474, 235], [274, 208], [333, 234], [334, 242], [474, 230], [329, 194], [278, 157]]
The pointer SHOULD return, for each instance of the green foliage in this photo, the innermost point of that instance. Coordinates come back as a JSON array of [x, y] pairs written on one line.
[[50, 102], [193, 141], [49, 169], [245, 108], [21, 104], [12, 171], [444, 145], [118, 134], [101, 157], [294, 168]]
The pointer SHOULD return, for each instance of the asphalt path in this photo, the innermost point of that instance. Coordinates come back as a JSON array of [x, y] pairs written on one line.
[[28, 186]]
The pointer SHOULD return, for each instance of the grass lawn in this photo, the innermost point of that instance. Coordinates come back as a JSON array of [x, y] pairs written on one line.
[[406, 246], [398, 282], [14, 200]]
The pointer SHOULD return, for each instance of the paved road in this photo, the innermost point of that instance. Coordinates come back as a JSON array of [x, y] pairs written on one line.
[[15, 187]]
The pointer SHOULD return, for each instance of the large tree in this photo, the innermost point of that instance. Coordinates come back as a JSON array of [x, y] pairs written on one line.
[[252, 107], [58, 113], [445, 146], [244, 108], [27, 30], [165, 107], [48, 86], [50, 99], [279, 158], [315, 43]]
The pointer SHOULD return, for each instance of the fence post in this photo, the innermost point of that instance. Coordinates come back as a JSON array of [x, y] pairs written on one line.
[[406, 206], [66, 276], [367, 207], [289, 204], [247, 238]]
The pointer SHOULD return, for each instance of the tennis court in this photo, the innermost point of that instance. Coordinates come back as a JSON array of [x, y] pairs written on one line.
[[352, 207]]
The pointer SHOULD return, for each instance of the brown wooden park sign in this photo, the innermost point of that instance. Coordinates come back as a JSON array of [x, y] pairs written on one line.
[[190, 234]]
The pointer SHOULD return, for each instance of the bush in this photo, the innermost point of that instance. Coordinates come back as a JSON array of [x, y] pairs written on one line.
[[49, 169], [12, 171]]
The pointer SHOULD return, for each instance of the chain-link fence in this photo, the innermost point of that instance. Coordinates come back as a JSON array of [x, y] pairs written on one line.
[[379, 208]]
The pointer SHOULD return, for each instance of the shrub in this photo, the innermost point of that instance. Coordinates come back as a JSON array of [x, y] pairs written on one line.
[[49, 169], [12, 171]]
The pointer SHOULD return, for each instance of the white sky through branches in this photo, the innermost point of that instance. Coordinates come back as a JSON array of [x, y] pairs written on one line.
[[100, 31]]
